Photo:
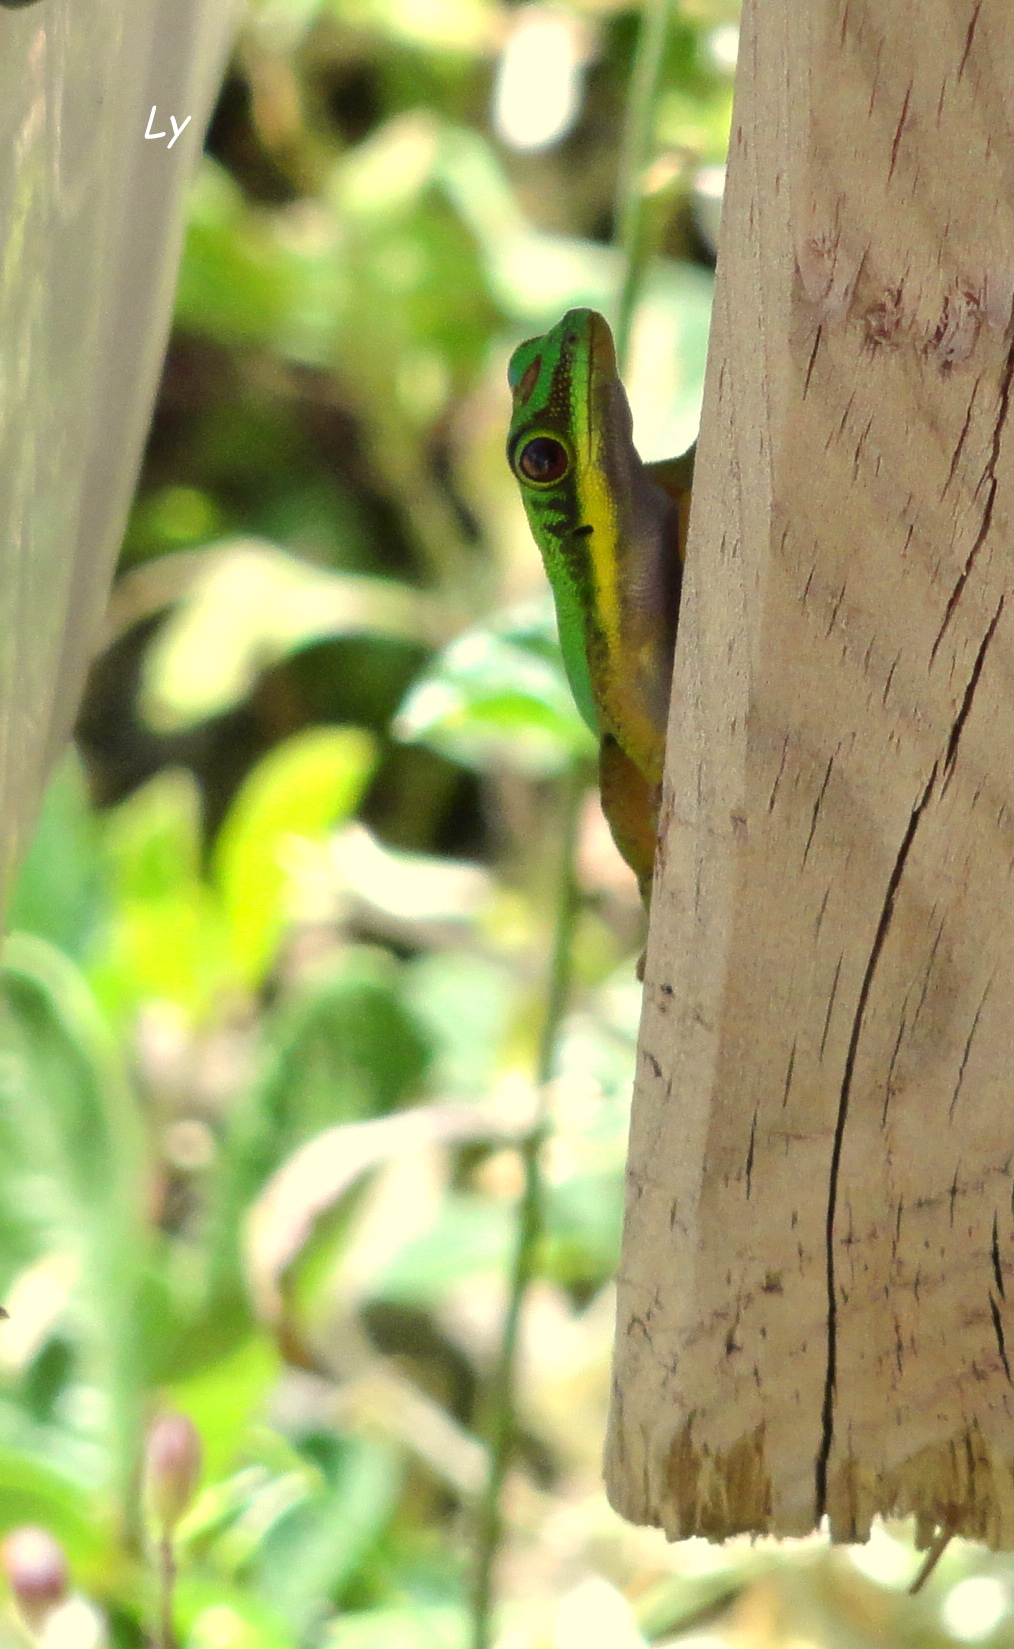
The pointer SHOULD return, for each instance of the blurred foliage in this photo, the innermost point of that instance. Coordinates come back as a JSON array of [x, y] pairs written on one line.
[[269, 1012]]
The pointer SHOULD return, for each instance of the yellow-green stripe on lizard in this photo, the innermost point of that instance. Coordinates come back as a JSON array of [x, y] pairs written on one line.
[[612, 532]]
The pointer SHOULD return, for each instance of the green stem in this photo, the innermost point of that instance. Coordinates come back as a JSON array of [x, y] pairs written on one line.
[[166, 1586], [635, 157], [503, 1413]]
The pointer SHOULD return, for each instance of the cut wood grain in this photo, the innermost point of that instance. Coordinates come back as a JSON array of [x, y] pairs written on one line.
[[816, 1301]]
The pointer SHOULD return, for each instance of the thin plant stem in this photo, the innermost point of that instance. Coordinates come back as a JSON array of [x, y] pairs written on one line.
[[166, 1586], [635, 158], [502, 1407]]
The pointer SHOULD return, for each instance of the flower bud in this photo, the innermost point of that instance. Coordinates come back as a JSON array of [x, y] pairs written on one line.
[[36, 1568], [172, 1468]]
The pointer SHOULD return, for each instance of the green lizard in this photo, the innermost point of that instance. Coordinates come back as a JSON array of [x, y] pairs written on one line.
[[612, 533]]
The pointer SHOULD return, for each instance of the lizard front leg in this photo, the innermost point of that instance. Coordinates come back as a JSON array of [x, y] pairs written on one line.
[[630, 805]]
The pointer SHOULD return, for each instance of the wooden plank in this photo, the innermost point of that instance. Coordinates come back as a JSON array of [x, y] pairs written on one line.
[[91, 223], [816, 1294]]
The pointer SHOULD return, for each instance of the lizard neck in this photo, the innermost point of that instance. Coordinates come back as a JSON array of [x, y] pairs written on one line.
[[633, 570]]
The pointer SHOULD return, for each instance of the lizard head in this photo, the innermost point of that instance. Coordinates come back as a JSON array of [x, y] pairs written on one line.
[[570, 413]]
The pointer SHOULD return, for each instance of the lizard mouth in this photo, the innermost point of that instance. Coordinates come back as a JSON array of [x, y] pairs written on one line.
[[603, 351]]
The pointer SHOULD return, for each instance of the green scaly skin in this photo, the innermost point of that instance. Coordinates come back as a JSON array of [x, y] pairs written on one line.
[[612, 533]]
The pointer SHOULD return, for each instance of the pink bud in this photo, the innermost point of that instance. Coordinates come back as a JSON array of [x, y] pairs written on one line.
[[36, 1568], [172, 1468]]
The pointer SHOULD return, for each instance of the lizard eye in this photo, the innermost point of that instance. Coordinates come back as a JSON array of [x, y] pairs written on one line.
[[543, 460]]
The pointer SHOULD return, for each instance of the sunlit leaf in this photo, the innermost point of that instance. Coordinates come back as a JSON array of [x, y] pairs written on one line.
[[166, 937], [457, 26], [211, 1614], [302, 788], [440, 1626], [465, 1002], [472, 1236], [269, 1501], [250, 605], [498, 696], [223, 1398], [423, 890], [316, 1179]]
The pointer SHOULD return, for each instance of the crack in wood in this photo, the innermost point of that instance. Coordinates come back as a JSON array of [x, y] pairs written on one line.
[[778, 775], [860, 444], [1000, 1343], [890, 1068], [816, 809], [995, 1256], [832, 621], [929, 968], [830, 1006], [989, 479], [890, 678], [964, 1056], [968, 695], [813, 357], [961, 438], [879, 938], [749, 1153], [969, 37], [788, 1084], [952, 1194], [898, 132]]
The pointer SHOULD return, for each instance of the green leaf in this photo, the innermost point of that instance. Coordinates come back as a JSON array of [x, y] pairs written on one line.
[[71, 1174], [440, 1626], [419, 311], [465, 1002], [166, 939], [236, 281], [302, 788], [211, 1614], [584, 1216], [250, 605], [470, 1236], [498, 696], [37, 1491], [456, 26], [224, 1398], [345, 1049], [311, 1556], [60, 893]]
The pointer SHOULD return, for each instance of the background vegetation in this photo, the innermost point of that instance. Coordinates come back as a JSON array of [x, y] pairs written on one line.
[[270, 1018]]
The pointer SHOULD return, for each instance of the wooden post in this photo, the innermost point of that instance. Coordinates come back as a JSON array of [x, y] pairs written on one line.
[[816, 1301], [91, 220]]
